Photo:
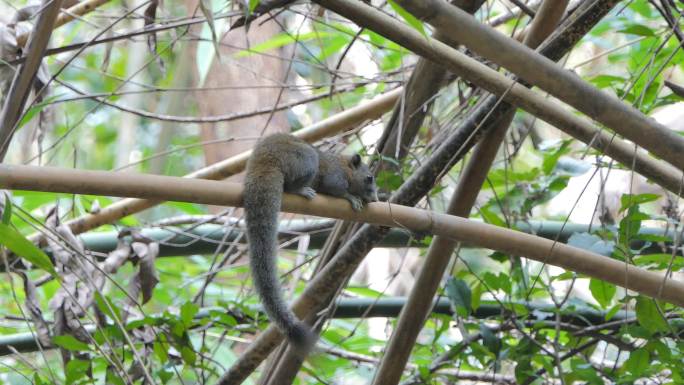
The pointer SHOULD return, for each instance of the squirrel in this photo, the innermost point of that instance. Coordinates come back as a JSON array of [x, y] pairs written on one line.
[[284, 163]]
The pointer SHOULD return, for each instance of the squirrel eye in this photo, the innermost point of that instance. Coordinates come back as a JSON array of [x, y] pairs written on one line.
[[369, 178]]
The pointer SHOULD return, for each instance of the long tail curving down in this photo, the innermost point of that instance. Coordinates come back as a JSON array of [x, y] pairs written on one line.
[[262, 200]]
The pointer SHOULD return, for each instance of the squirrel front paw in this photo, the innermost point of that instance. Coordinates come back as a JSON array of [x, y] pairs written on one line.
[[306, 192], [356, 203]]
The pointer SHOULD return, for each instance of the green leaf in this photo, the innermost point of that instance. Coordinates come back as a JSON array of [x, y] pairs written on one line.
[[648, 315], [107, 306], [363, 291], [187, 208], [253, 4], [188, 355], [638, 361], [187, 312], [161, 350], [165, 375], [550, 160], [523, 370], [611, 313], [460, 296], [564, 276], [76, 370], [35, 109], [389, 180], [602, 291], [631, 200], [583, 370], [630, 225], [408, 17], [112, 377], [223, 318], [638, 29], [22, 247], [643, 8], [492, 281], [603, 81], [478, 290], [7, 210], [659, 260], [505, 283], [38, 380], [70, 342], [491, 217], [490, 340], [281, 40], [178, 329]]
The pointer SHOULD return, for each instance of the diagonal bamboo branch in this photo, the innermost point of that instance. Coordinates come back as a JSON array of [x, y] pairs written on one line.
[[167, 188]]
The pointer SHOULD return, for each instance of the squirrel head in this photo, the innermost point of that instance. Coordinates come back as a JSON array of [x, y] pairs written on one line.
[[362, 182]]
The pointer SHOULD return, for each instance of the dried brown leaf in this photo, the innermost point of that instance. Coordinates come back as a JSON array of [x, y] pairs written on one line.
[[137, 370], [144, 334], [147, 277], [150, 16], [59, 328], [105, 61], [117, 258], [33, 308]]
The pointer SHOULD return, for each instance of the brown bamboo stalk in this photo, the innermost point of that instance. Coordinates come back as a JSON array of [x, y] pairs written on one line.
[[344, 120], [419, 304], [167, 188]]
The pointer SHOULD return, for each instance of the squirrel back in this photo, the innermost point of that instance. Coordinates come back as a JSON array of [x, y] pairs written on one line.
[[284, 163]]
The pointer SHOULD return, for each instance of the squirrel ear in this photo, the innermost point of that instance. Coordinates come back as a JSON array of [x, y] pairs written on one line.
[[355, 160]]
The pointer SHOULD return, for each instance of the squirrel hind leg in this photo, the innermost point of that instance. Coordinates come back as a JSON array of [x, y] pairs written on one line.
[[302, 184]]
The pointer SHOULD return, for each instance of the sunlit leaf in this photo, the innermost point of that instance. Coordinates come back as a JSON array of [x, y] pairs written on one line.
[[70, 342], [638, 29], [408, 17], [279, 41], [648, 315], [460, 296], [638, 361], [602, 291], [21, 246], [76, 370]]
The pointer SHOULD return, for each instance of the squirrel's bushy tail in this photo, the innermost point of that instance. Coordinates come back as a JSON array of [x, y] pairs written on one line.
[[262, 199]]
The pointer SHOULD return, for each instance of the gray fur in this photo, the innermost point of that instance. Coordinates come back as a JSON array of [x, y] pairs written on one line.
[[283, 163]]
